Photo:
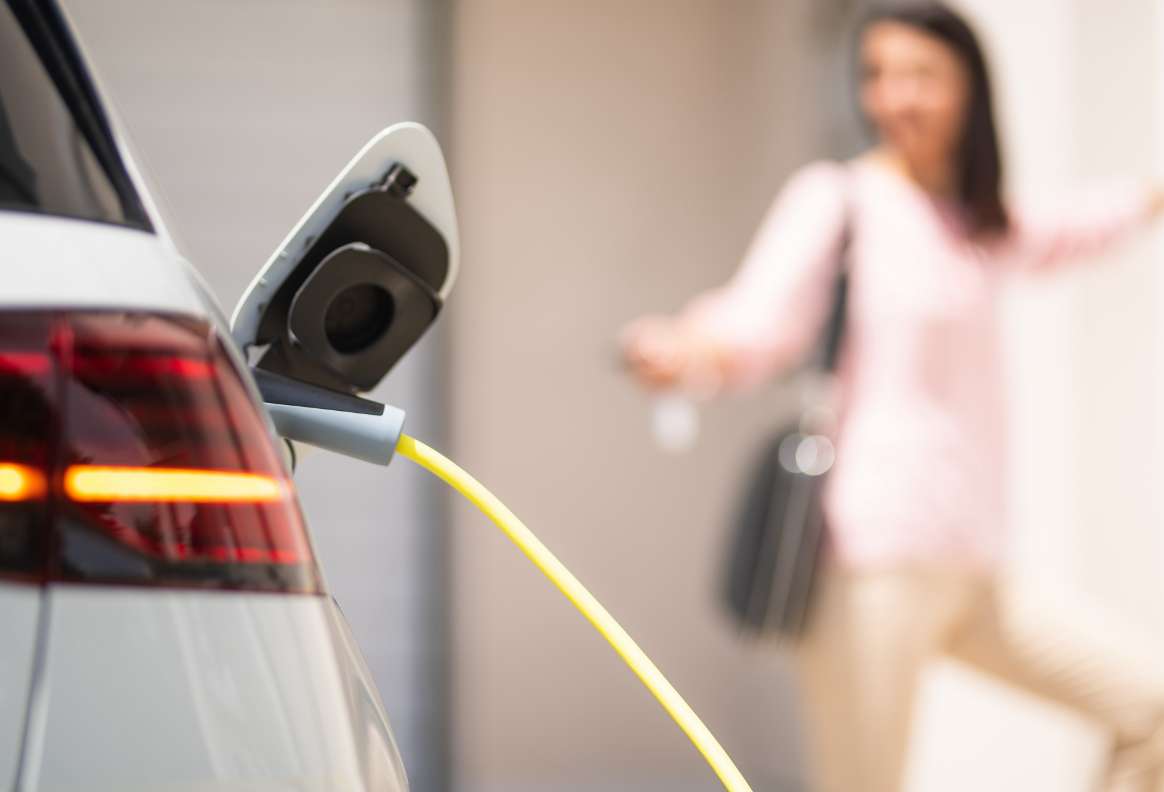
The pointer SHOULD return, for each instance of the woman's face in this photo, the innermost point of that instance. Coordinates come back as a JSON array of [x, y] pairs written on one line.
[[914, 90]]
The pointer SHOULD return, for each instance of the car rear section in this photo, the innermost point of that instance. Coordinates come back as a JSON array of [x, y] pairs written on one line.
[[166, 624]]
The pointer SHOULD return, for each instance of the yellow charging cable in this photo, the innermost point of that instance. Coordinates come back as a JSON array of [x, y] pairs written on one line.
[[584, 601]]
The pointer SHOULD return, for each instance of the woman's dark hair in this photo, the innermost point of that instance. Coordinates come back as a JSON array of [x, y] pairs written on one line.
[[979, 157]]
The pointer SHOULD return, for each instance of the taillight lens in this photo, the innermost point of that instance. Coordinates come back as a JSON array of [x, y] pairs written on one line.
[[29, 433], [131, 452]]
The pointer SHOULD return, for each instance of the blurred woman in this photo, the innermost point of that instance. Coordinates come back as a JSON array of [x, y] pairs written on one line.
[[915, 503]]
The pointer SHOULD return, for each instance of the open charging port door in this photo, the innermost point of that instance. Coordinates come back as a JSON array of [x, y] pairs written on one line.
[[363, 274]]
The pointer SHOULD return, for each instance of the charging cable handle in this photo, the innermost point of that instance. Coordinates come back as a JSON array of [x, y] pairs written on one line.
[[339, 422]]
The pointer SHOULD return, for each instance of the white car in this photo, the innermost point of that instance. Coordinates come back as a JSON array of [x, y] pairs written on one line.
[[165, 623]]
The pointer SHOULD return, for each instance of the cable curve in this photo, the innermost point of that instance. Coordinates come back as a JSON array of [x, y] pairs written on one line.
[[704, 741]]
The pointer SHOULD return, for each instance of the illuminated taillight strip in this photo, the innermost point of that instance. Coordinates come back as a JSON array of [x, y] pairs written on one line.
[[20, 482], [106, 484], [26, 363], [142, 365]]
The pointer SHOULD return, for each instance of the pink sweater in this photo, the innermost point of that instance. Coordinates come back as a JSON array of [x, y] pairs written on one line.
[[920, 451]]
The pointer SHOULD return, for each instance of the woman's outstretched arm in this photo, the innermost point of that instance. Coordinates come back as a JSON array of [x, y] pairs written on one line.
[[771, 311], [1089, 226]]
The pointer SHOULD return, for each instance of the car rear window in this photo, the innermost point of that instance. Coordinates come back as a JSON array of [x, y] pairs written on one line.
[[56, 155]]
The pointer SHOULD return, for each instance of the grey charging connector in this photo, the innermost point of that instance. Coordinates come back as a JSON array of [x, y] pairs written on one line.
[[348, 425], [371, 438]]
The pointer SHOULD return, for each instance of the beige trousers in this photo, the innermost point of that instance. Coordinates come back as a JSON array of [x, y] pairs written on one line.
[[871, 633]]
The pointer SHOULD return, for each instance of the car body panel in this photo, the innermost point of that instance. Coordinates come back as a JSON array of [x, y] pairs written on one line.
[[19, 612], [203, 691], [52, 262]]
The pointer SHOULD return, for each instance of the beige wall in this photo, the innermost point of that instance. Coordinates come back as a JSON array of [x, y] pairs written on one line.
[[610, 158]]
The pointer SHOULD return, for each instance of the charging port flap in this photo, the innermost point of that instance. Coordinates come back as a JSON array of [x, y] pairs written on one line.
[[363, 275]]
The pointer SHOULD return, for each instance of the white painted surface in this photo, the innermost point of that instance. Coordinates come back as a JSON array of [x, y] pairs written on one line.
[[55, 263], [145, 689], [973, 733], [1158, 285], [19, 609], [1116, 547]]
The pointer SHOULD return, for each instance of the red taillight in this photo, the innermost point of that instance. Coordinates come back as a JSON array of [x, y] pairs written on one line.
[[97, 484], [131, 452], [19, 483], [29, 432]]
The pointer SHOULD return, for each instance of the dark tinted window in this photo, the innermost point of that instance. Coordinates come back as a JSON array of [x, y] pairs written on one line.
[[46, 161]]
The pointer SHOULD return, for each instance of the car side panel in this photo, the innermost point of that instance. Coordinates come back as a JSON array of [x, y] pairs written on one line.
[[58, 263], [200, 691], [19, 611]]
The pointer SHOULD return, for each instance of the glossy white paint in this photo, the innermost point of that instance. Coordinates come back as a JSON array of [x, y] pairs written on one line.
[[408, 143], [204, 692], [57, 263], [19, 608]]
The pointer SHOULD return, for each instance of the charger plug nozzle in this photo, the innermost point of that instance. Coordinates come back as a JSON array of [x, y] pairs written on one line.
[[371, 438], [338, 422]]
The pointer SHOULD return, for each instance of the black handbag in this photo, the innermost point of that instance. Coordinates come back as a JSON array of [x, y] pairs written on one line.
[[779, 527]]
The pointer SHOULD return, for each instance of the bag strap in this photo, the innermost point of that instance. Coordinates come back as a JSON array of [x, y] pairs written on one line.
[[835, 329]]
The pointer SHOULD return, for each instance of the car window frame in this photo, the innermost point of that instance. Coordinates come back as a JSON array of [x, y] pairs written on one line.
[[48, 34]]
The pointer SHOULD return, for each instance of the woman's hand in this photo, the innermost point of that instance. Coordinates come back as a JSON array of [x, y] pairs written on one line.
[[1156, 203], [654, 350], [662, 355]]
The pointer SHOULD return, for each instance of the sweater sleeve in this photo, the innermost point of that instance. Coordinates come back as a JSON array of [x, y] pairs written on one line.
[[1049, 238], [769, 314]]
